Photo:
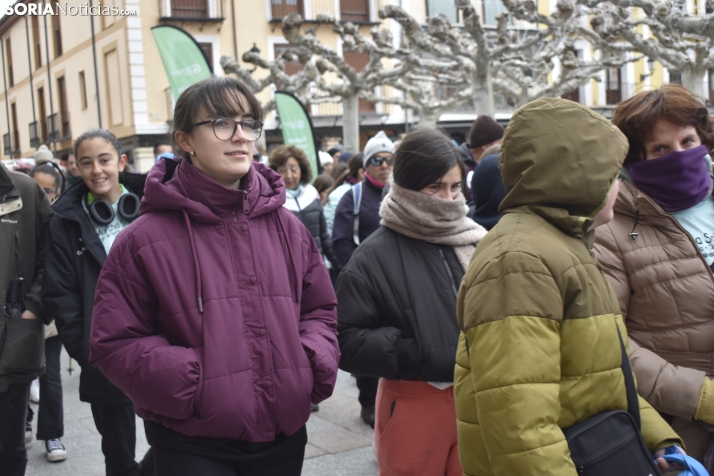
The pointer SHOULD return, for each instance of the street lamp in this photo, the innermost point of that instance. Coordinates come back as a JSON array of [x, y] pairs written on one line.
[[651, 65]]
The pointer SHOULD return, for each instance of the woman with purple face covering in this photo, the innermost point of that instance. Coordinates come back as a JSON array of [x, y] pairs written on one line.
[[658, 254]]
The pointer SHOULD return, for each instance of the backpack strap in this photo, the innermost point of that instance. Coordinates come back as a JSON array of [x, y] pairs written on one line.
[[357, 200], [633, 405]]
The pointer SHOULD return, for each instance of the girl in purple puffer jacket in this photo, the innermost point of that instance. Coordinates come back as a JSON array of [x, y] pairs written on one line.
[[214, 311]]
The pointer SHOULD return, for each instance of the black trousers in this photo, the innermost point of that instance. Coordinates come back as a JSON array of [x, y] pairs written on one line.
[[13, 412], [176, 454], [117, 425], [50, 417], [367, 390], [176, 463]]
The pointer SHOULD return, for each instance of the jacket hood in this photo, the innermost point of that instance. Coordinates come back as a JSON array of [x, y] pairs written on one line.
[[178, 185], [559, 160]]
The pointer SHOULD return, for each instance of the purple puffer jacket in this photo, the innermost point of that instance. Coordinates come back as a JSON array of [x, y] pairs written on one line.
[[214, 312]]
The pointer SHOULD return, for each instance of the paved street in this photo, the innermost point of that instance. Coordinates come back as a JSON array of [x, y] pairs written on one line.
[[339, 443]]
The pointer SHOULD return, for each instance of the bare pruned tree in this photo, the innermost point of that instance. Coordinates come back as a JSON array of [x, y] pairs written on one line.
[[662, 30]]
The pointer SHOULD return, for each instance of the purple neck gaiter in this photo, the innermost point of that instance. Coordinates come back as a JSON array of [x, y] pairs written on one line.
[[676, 181]]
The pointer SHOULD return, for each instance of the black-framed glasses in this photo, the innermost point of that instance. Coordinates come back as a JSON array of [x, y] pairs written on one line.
[[225, 129], [378, 161]]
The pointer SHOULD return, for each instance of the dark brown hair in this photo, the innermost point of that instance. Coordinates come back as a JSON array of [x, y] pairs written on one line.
[[637, 116], [281, 154], [423, 157], [219, 97]]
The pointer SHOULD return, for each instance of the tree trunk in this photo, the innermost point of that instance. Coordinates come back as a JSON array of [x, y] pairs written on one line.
[[693, 79], [350, 123], [428, 118], [483, 94]]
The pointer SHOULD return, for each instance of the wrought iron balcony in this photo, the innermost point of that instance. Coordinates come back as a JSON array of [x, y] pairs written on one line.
[[191, 10], [65, 129], [53, 127], [34, 137], [7, 145]]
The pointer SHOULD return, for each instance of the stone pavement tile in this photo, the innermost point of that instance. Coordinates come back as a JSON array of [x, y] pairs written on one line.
[[335, 440], [311, 451], [359, 462], [344, 410]]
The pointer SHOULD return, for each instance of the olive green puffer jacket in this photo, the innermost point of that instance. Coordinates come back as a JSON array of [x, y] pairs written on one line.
[[539, 350]]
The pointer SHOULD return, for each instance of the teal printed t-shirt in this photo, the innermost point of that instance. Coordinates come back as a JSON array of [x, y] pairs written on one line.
[[108, 233], [699, 223]]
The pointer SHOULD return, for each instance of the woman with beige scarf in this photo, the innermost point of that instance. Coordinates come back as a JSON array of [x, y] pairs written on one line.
[[397, 307]]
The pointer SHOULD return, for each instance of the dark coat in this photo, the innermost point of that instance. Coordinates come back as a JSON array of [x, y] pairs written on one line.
[[24, 215], [75, 256], [343, 229], [307, 207], [397, 309], [487, 191], [214, 311]]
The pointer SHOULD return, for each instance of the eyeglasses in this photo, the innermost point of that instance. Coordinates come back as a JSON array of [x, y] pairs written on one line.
[[225, 129], [378, 161]]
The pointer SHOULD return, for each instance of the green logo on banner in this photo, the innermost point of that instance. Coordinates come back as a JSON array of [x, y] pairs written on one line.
[[296, 126], [183, 59]]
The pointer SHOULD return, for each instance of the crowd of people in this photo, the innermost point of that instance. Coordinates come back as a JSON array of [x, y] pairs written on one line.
[[485, 296]]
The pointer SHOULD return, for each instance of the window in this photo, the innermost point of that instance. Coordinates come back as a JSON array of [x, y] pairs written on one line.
[[613, 86], [207, 49], [82, 90], [291, 67], [114, 101], [710, 82], [15, 130], [358, 61], [43, 115], [57, 35], [63, 111], [434, 8], [492, 9], [189, 8], [36, 45], [8, 52], [354, 10], [283, 8], [675, 77]]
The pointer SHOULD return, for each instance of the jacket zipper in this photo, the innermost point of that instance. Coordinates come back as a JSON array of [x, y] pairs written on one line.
[[449, 273]]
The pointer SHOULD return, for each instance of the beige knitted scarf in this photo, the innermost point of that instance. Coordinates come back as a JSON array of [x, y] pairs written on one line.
[[432, 219]]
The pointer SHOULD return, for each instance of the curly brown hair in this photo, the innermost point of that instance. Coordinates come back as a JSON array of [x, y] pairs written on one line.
[[637, 116], [281, 154]]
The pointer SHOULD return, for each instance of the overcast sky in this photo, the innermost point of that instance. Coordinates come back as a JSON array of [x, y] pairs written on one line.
[[3, 4]]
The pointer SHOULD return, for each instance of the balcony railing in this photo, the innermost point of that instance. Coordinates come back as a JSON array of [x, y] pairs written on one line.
[[191, 10], [282, 8], [34, 137], [66, 131], [53, 127], [7, 145], [354, 10]]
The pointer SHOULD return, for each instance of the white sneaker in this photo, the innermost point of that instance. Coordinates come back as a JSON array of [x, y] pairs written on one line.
[[55, 451], [35, 391], [28, 433]]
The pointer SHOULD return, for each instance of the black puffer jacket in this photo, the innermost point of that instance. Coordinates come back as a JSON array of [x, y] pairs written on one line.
[[307, 207], [397, 309], [75, 256]]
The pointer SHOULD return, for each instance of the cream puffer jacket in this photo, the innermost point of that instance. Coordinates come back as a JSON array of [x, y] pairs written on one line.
[[666, 293]]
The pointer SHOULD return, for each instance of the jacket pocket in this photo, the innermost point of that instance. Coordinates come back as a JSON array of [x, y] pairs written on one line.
[[23, 350]]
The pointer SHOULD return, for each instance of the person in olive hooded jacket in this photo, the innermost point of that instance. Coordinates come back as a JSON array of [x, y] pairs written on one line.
[[539, 351]]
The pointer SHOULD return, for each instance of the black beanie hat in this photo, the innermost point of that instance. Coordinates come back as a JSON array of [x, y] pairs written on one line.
[[484, 131]]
